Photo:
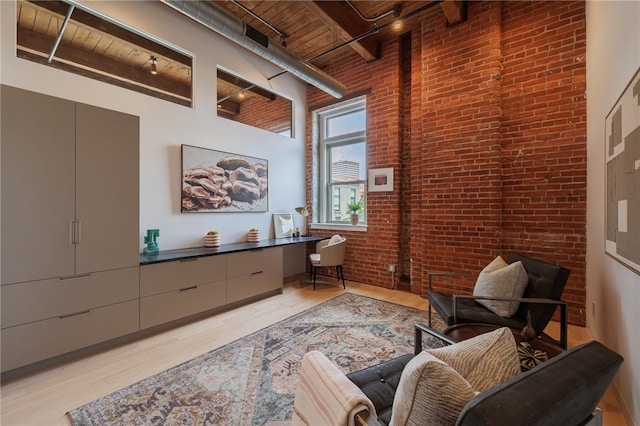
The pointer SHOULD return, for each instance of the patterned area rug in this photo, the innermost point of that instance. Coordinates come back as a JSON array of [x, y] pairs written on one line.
[[252, 381]]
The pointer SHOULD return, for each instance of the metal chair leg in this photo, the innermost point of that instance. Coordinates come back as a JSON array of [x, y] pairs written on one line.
[[340, 273], [314, 269]]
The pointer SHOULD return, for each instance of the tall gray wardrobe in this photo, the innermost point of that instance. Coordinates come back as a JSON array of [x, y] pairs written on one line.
[[70, 219]]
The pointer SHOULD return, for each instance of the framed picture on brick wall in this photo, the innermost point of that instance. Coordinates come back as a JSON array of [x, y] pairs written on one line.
[[622, 156], [381, 179]]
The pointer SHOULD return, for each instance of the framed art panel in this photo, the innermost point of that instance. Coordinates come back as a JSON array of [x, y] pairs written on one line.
[[622, 142], [381, 179], [283, 225], [217, 181]]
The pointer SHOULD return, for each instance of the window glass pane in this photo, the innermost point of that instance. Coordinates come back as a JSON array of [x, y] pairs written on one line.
[[336, 198], [348, 162], [349, 193], [345, 124]]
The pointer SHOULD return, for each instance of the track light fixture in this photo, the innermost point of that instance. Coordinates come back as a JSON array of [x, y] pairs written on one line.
[[154, 65]]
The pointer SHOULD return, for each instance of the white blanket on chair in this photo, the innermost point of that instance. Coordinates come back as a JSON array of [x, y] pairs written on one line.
[[325, 396]]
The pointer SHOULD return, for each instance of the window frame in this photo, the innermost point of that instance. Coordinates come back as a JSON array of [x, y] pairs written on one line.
[[324, 198], [173, 79]]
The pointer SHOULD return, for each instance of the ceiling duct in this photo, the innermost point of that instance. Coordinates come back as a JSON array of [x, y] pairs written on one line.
[[224, 23]]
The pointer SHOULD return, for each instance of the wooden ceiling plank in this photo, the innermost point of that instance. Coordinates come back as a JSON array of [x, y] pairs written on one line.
[[339, 16], [26, 15]]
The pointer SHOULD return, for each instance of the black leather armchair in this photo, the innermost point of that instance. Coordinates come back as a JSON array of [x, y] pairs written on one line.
[[541, 298], [564, 390]]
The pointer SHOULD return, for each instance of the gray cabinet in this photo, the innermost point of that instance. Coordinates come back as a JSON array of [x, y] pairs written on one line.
[[250, 273], [70, 187], [38, 186], [70, 219], [174, 290]]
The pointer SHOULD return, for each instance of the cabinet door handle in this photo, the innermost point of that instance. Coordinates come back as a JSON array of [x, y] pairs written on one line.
[[258, 249], [191, 259], [71, 277], [189, 288], [74, 314], [257, 273], [74, 232]]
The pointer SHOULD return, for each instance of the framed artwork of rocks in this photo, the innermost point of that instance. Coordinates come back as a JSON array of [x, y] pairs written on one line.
[[217, 181]]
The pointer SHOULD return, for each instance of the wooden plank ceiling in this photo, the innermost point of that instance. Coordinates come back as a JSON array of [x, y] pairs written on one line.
[[318, 31], [313, 29]]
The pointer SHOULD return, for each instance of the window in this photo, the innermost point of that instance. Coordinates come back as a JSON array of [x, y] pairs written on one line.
[[72, 37], [340, 132], [244, 102]]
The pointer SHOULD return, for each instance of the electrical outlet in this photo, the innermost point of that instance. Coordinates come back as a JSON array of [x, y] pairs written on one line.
[[392, 268], [593, 308]]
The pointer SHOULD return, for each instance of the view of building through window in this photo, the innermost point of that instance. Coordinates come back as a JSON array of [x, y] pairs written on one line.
[[342, 141]]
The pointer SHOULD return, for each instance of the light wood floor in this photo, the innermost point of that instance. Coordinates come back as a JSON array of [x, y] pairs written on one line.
[[44, 398]]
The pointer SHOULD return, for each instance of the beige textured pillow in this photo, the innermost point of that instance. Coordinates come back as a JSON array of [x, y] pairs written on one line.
[[429, 393], [499, 279], [484, 361]]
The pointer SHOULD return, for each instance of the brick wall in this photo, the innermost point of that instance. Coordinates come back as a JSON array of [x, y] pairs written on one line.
[[382, 239], [544, 138], [263, 113], [485, 125]]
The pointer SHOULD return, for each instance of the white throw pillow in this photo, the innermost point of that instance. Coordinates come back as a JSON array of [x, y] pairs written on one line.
[[485, 360], [335, 240], [430, 392], [499, 279]]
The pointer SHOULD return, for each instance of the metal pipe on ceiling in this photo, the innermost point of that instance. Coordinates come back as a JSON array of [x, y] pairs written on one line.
[[61, 33], [283, 36], [224, 23]]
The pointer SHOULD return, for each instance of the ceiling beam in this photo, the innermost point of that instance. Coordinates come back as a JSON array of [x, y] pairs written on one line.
[[453, 11], [228, 107], [245, 85], [339, 16]]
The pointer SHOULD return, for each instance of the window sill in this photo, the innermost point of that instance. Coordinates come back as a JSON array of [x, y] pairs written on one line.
[[338, 227]]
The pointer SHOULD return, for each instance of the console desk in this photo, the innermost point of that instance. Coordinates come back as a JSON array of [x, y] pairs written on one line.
[[176, 284], [80, 316]]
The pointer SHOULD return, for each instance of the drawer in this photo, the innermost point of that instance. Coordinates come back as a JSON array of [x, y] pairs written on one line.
[[246, 262], [247, 286], [38, 300], [37, 341], [169, 276], [169, 306]]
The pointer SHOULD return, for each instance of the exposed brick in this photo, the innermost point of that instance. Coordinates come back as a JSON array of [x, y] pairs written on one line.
[[485, 126]]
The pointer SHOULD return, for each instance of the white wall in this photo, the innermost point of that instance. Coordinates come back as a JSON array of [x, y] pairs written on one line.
[[164, 126], [613, 56]]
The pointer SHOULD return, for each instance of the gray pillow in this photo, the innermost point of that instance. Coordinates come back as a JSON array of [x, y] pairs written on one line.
[[485, 360], [430, 392], [437, 383], [499, 279]]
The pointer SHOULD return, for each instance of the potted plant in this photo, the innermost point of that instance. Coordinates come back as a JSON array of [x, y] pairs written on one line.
[[254, 235], [354, 208], [212, 239]]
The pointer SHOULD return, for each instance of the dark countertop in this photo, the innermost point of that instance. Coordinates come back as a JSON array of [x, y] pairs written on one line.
[[189, 253]]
